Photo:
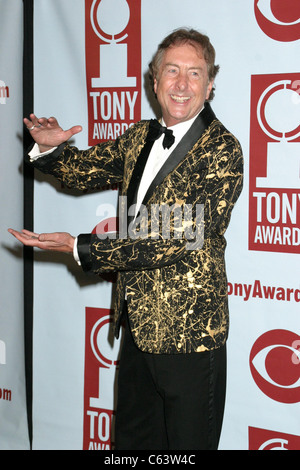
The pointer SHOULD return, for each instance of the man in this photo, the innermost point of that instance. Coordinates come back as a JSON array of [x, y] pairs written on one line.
[[171, 291]]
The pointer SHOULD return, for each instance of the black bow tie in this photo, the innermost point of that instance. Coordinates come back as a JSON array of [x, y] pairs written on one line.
[[156, 130]]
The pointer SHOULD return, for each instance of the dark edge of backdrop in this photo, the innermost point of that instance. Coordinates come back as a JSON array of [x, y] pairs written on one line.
[[28, 173]]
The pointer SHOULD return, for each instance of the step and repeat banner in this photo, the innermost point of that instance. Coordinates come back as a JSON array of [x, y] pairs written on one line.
[[13, 416], [90, 68]]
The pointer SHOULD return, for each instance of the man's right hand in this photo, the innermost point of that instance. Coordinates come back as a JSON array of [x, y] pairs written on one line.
[[47, 133]]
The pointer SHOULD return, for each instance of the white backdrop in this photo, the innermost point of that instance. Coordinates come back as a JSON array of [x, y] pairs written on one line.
[[13, 419], [247, 47]]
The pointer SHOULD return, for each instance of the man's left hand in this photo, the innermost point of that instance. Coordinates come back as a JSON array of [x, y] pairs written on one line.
[[57, 241]]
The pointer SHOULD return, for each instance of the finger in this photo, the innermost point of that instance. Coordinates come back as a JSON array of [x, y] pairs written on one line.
[[23, 235], [29, 124], [74, 130], [29, 233], [42, 121], [34, 119], [53, 237], [25, 239], [44, 237], [14, 232], [53, 122]]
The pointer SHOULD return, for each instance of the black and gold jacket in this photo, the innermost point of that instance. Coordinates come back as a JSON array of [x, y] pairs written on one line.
[[176, 296]]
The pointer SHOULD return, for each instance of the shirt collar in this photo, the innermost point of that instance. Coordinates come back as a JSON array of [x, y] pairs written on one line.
[[181, 128]]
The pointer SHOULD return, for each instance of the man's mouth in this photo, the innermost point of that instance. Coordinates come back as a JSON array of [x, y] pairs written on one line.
[[180, 99]]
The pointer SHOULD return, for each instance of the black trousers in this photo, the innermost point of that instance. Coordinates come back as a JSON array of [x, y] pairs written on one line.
[[169, 402]]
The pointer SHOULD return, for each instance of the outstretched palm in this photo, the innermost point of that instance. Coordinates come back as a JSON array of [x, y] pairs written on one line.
[[57, 241]]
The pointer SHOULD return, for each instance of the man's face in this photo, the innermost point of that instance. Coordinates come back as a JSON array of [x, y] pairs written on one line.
[[182, 84]]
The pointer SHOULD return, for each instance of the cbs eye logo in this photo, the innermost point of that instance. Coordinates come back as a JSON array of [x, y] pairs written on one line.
[[278, 19], [275, 365]]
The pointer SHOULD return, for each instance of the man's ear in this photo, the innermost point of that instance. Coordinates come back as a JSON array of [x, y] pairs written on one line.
[[209, 88]]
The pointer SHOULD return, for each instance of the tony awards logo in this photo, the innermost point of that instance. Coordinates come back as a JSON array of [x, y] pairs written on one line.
[[274, 215], [107, 364], [278, 114], [113, 67], [112, 18], [101, 364]]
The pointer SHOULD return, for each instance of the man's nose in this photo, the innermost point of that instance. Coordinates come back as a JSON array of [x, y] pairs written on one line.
[[182, 81]]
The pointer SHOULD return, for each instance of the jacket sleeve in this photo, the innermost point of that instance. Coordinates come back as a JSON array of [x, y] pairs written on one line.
[[84, 169], [222, 185]]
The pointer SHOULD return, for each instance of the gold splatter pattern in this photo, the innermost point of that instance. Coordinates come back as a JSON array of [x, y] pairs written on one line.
[[177, 297]]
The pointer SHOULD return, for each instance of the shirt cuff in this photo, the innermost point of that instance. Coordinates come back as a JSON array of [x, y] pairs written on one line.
[[35, 153], [75, 252]]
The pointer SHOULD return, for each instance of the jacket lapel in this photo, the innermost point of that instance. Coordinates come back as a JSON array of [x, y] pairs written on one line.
[[137, 173], [188, 141]]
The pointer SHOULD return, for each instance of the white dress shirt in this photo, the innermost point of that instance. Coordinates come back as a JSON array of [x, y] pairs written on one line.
[[157, 158]]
